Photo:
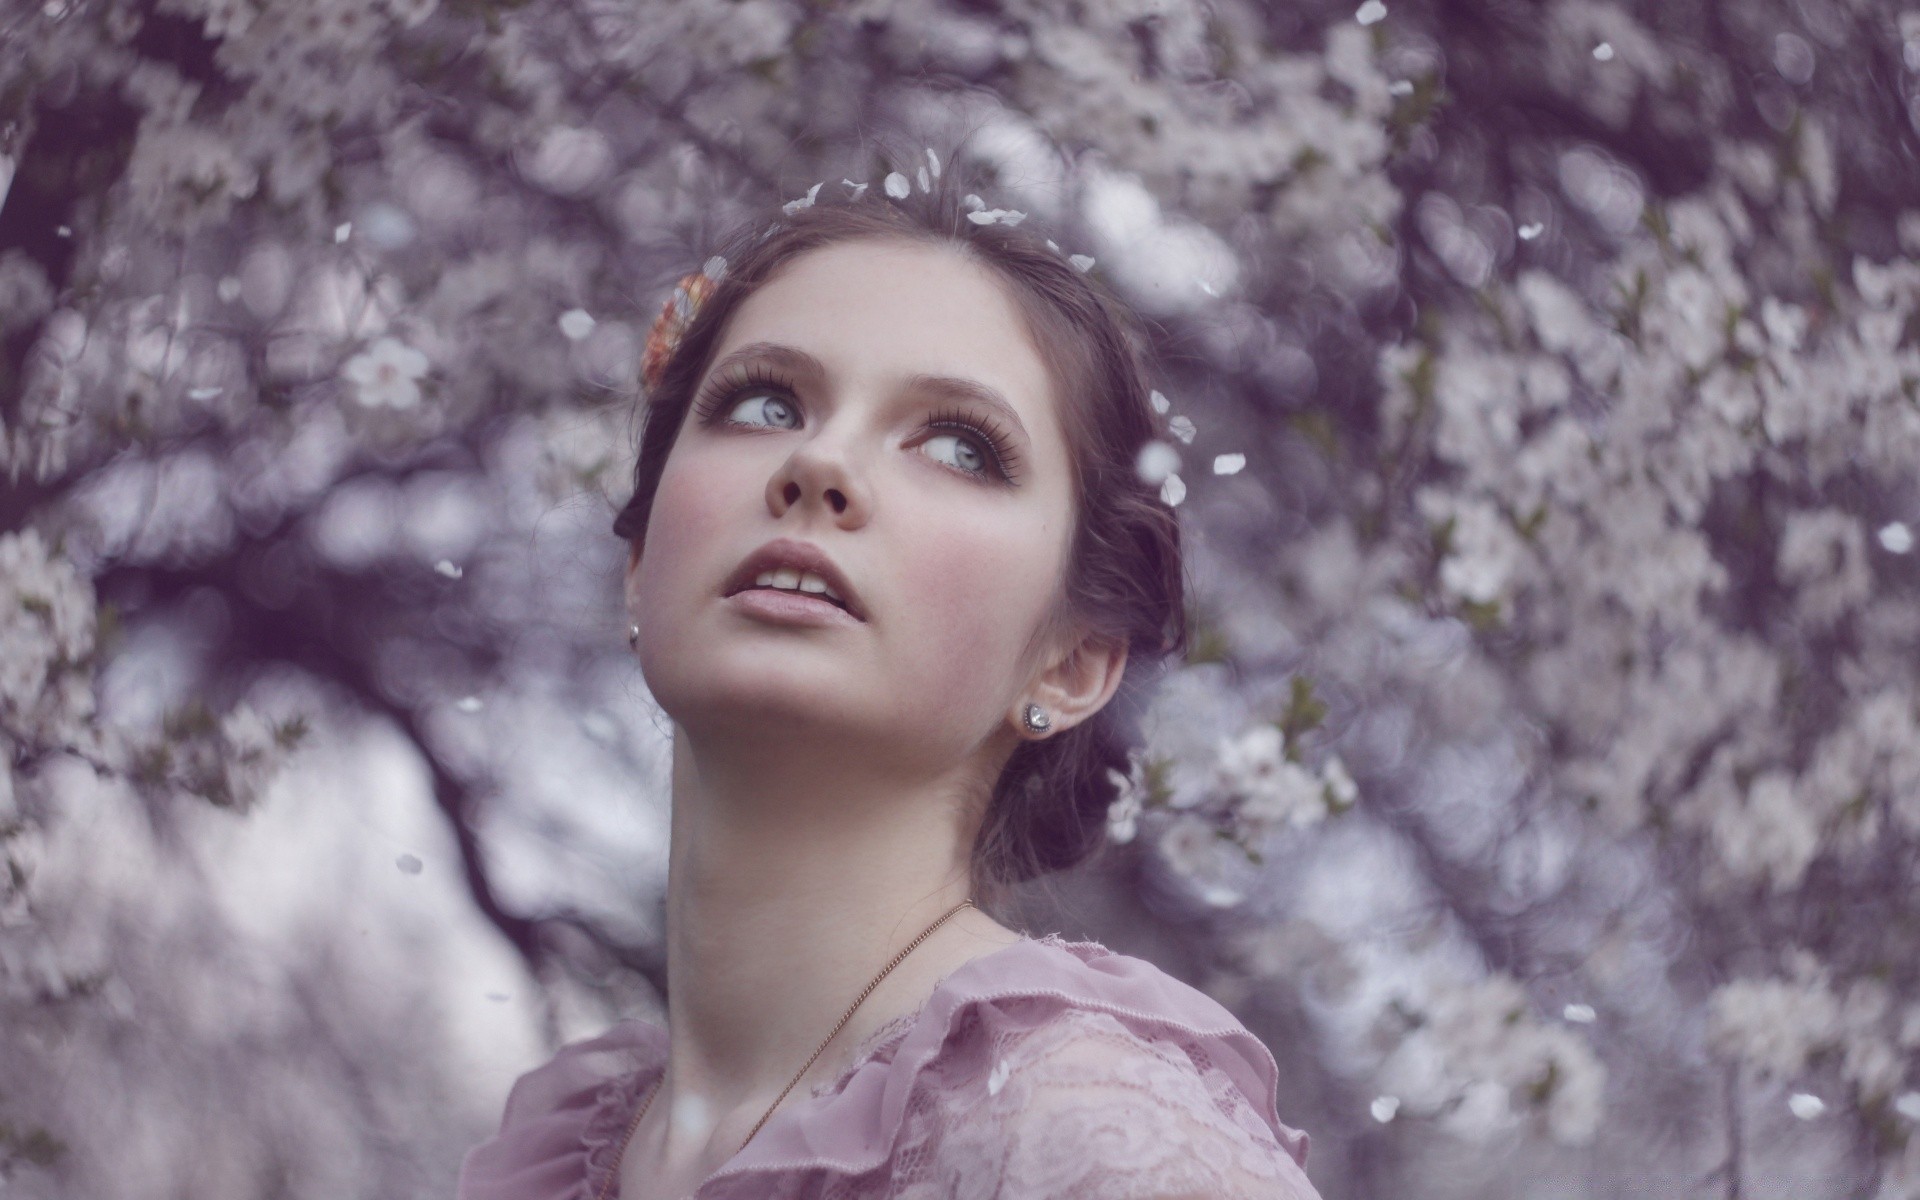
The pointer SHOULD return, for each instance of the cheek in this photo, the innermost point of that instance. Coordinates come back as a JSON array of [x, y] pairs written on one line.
[[983, 593], [684, 521]]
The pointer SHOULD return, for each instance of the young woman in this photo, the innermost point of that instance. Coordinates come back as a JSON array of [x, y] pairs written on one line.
[[895, 580]]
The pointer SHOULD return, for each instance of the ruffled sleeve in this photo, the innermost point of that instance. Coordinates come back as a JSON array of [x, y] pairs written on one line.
[[565, 1118], [1087, 1106], [1047, 1069]]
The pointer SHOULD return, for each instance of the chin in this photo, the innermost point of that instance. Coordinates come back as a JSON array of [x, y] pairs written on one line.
[[763, 687]]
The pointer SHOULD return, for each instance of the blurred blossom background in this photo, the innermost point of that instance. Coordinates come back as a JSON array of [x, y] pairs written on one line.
[[1544, 381]]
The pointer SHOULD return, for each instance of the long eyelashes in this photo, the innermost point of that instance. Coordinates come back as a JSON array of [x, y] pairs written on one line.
[[722, 390], [717, 399], [993, 439]]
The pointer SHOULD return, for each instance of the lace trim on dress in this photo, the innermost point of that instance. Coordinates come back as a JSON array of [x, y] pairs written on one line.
[[606, 1126]]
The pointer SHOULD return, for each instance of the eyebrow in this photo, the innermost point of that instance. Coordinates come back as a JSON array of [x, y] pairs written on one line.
[[950, 387]]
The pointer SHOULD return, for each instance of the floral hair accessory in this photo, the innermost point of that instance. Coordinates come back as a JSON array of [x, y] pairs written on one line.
[[675, 315]]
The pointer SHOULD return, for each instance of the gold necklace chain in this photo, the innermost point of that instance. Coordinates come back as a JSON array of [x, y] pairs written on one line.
[[634, 1124]]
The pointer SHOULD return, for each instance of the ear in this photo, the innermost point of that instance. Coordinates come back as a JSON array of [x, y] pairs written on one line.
[[1075, 686]]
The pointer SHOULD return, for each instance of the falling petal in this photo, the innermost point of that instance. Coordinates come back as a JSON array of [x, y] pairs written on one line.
[[933, 162], [1806, 1105], [576, 323], [1371, 12], [469, 704], [859, 189], [342, 232], [208, 393], [1160, 402], [920, 176], [409, 864], [975, 204], [1182, 428], [897, 186], [1173, 491], [1155, 462], [1082, 262], [229, 289], [1383, 1108], [1579, 1014], [448, 568], [1208, 288], [1895, 537], [1908, 1106], [793, 206], [1400, 87], [714, 268], [1053, 245], [1228, 464], [1531, 231], [1604, 52]]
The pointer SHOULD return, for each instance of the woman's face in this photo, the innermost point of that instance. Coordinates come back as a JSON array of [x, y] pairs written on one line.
[[880, 407]]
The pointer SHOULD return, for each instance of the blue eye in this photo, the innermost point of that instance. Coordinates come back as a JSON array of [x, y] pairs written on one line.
[[957, 450], [772, 412]]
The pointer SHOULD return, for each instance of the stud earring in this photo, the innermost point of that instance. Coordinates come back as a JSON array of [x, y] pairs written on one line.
[[633, 636], [1035, 719]]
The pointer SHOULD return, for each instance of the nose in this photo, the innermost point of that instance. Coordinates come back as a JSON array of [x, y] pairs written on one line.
[[818, 474]]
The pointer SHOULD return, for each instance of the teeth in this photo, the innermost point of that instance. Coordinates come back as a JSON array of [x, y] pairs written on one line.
[[794, 580]]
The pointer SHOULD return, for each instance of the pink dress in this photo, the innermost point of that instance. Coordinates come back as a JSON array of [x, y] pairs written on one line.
[[1046, 1068]]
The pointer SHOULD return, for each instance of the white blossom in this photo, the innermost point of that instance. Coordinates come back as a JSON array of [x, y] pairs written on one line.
[[1774, 1025], [1123, 814], [1824, 553], [1772, 836], [386, 374], [47, 631], [1198, 855], [1269, 791]]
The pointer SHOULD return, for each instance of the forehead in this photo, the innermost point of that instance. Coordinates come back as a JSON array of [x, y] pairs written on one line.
[[878, 310]]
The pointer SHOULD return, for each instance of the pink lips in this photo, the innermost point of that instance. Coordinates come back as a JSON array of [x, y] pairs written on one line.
[[780, 604]]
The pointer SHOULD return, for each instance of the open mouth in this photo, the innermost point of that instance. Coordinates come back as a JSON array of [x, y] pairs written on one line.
[[802, 583], [800, 570]]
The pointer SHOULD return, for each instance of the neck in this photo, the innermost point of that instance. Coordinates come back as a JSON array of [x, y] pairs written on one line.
[[792, 880]]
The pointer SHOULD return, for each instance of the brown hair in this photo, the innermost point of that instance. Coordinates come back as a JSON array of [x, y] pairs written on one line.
[[1124, 577]]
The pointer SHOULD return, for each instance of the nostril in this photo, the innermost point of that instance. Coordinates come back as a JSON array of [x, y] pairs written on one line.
[[837, 499], [791, 493]]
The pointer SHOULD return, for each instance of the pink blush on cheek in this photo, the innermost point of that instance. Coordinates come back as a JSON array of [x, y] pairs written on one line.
[[686, 523], [979, 598]]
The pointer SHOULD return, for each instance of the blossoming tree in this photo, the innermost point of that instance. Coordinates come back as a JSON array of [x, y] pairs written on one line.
[[1543, 394]]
